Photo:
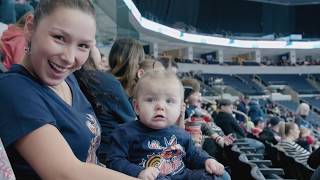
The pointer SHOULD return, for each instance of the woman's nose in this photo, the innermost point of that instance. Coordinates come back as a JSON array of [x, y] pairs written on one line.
[[69, 55]]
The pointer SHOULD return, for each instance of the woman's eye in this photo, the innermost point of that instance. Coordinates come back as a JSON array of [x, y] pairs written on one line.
[[84, 46], [58, 37]]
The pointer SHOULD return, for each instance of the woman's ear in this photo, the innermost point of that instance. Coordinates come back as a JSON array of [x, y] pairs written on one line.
[[136, 106], [140, 73], [29, 27]]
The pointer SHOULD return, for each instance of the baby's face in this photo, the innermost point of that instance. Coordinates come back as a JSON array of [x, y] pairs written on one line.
[[159, 102]]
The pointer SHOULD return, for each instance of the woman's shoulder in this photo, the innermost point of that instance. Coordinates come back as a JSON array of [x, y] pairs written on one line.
[[286, 143], [12, 82]]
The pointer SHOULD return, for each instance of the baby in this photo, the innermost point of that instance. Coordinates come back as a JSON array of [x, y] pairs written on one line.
[[153, 147]]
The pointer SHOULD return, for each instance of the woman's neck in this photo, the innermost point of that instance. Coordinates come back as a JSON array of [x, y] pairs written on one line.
[[26, 64], [63, 91]]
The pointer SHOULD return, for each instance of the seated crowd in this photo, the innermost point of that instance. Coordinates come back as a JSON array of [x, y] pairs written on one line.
[[266, 61], [67, 112]]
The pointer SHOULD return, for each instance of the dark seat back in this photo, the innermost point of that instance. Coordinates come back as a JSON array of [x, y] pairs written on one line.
[[248, 170], [316, 174]]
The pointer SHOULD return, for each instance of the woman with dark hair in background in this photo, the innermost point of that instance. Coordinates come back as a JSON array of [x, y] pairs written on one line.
[[124, 58]]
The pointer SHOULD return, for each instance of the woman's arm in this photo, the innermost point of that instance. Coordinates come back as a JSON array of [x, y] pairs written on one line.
[[50, 156]]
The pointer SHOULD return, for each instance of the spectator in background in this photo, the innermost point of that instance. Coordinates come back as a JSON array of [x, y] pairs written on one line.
[[302, 114], [243, 107], [22, 7], [255, 112], [3, 27], [34, 3], [290, 133], [226, 121], [259, 125], [305, 139], [105, 61], [199, 122], [271, 132], [124, 58], [7, 11], [192, 96], [13, 42], [229, 125]]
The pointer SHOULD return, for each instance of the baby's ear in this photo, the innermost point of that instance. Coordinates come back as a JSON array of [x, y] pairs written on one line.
[[136, 106]]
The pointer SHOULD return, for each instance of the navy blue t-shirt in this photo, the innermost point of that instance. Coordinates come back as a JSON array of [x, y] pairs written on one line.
[[135, 147], [26, 104]]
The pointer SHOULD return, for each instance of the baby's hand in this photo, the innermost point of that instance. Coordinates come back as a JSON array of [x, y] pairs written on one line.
[[214, 167], [150, 173]]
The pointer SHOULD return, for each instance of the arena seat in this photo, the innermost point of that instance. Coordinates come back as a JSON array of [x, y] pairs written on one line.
[[316, 174], [297, 82]]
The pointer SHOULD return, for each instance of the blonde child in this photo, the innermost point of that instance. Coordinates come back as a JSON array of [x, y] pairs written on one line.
[[154, 147]]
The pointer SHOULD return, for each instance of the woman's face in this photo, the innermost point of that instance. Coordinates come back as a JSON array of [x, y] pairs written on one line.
[[295, 132], [60, 44], [99, 62]]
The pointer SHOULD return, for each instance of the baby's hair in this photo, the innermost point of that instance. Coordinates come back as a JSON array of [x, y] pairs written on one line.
[[168, 63], [157, 75], [149, 63]]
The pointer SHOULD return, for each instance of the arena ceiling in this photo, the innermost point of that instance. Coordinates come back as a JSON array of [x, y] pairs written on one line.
[[108, 27], [290, 2]]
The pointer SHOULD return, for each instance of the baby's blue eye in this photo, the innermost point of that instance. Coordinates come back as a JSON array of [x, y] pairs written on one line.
[[150, 99], [170, 100]]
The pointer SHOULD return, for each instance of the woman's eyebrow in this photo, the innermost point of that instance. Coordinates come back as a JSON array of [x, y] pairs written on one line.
[[89, 41]]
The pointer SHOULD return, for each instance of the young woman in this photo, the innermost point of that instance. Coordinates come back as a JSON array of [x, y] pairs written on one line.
[[47, 126]]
